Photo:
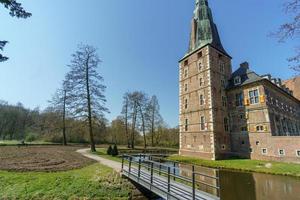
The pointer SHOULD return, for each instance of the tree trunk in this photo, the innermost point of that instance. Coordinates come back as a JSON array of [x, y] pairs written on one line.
[[143, 126], [133, 125], [126, 123], [64, 119], [152, 125], [93, 146]]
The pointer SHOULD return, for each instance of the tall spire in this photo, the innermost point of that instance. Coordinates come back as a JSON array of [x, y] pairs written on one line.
[[204, 31]]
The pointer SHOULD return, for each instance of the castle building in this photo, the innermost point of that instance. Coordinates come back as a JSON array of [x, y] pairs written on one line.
[[225, 113]]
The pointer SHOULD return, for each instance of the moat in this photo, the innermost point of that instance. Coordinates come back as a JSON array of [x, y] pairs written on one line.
[[257, 186], [236, 185]]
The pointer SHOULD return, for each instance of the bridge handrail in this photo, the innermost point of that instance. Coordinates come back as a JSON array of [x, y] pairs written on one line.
[[167, 172], [174, 167]]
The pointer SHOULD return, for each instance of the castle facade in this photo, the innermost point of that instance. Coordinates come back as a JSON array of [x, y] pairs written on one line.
[[225, 113]]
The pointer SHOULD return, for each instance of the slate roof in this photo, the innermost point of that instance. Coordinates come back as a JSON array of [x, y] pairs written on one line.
[[247, 76]]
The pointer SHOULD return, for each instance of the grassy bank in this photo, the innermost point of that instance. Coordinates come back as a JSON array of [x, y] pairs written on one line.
[[92, 182], [247, 165]]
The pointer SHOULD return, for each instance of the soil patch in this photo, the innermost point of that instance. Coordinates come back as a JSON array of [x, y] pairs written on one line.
[[42, 159]]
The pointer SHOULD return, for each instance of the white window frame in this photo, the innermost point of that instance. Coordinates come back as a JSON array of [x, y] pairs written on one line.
[[262, 151], [258, 95], [280, 153], [298, 155], [237, 80]]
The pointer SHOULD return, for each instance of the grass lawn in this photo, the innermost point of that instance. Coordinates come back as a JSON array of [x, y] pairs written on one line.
[[277, 168], [93, 182]]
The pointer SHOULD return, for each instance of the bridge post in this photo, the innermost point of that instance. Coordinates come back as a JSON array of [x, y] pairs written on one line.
[[139, 172], [122, 163], [174, 171], [151, 173], [169, 173], [193, 179], [160, 167], [218, 184], [130, 158]]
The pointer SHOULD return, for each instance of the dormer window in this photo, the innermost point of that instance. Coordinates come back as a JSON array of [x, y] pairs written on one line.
[[237, 80]]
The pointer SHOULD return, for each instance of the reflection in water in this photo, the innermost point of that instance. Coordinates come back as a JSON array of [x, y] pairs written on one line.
[[256, 186], [276, 187], [237, 186]]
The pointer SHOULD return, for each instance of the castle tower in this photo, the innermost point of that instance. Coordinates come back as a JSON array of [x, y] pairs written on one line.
[[204, 72]]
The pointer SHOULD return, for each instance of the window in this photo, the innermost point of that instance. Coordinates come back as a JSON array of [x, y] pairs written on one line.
[[242, 116], [222, 66], [239, 99], [186, 87], [201, 82], [226, 126], [257, 143], [223, 83], [186, 104], [202, 123], [281, 152], [185, 73], [298, 153], [199, 54], [264, 151], [201, 97], [186, 125], [244, 129], [186, 63], [200, 66], [250, 150], [223, 147], [237, 80], [243, 142], [253, 94], [259, 128]]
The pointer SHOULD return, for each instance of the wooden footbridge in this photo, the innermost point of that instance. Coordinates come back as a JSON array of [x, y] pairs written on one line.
[[169, 180]]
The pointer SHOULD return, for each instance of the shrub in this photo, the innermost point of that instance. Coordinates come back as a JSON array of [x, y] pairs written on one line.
[[115, 151], [30, 137], [109, 150]]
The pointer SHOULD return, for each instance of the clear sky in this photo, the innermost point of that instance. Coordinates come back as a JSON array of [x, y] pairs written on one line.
[[139, 41]]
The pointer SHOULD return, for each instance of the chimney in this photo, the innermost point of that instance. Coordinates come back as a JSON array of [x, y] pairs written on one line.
[[245, 65]]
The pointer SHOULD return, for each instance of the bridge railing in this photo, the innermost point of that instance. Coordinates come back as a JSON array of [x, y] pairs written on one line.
[[171, 171]]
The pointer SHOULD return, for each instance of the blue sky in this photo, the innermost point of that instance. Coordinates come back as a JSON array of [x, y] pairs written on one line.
[[139, 41]]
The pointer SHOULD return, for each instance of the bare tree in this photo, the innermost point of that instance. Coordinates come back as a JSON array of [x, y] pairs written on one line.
[[142, 102], [87, 90], [291, 30], [60, 101], [125, 116], [153, 117], [16, 10]]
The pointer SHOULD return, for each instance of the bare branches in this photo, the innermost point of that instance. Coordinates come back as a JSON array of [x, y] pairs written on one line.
[[291, 30]]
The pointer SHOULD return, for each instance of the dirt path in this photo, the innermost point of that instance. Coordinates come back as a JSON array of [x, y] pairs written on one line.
[[113, 164]]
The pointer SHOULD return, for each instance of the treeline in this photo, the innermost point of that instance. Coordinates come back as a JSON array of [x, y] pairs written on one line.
[[23, 124]]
